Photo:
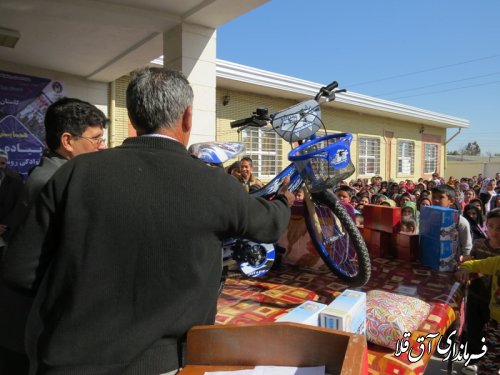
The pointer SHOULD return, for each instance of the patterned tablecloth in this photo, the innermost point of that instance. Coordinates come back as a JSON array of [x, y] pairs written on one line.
[[246, 301]]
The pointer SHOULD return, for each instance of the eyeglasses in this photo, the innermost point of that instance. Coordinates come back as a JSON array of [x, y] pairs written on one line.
[[95, 141]]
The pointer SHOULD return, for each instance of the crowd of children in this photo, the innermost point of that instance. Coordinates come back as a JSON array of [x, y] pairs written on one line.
[[478, 201], [474, 197]]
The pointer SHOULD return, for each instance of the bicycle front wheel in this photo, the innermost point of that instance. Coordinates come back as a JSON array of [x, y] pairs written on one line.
[[337, 239]]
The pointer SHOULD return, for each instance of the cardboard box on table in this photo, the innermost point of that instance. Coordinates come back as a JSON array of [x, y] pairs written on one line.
[[438, 238], [382, 218], [437, 254], [405, 246], [306, 313], [378, 243], [347, 312], [239, 347]]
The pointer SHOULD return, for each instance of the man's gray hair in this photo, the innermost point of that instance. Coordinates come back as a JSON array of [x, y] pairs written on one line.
[[156, 98]]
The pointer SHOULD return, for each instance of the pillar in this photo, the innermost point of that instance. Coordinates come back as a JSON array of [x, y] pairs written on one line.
[[192, 49]]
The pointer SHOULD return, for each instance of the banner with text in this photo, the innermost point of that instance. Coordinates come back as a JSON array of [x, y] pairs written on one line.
[[23, 103]]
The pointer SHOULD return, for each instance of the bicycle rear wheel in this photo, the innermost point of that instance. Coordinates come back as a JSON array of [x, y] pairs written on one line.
[[337, 239]]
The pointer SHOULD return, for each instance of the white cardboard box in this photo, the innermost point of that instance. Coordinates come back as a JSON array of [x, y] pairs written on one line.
[[346, 313], [306, 313]]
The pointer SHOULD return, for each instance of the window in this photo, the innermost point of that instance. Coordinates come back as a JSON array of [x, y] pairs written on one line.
[[430, 158], [369, 156], [406, 157], [264, 147]]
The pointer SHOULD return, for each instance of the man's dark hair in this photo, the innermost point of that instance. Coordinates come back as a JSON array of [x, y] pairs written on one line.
[[70, 115], [448, 190], [248, 159], [157, 98]]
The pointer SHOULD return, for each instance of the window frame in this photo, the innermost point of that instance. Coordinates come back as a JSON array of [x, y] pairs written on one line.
[[399, 157], [436, 158], [363, 159], [248, 138]]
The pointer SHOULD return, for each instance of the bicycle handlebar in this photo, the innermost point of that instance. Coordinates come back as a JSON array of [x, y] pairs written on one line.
[[260, 117]]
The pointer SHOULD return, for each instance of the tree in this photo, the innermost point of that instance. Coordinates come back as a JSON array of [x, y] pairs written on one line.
[[453, 152], [471, 149]]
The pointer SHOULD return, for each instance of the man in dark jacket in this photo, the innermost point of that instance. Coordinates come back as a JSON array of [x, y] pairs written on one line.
[[72, 127], [11, 184], [125, 245]]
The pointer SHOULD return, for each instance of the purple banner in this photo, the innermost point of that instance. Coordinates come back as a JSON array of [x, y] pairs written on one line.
[[23, 103], [22, 147]]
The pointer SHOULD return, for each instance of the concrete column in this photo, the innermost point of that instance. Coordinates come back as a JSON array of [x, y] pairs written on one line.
[[192, 50]]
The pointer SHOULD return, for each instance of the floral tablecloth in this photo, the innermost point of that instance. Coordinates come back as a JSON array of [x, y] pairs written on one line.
[[245, 301]]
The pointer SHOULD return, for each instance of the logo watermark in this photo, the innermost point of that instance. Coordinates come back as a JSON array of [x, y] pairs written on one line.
[[450, 349]]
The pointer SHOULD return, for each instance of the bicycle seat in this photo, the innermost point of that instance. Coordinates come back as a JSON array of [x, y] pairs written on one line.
[[216, 152]]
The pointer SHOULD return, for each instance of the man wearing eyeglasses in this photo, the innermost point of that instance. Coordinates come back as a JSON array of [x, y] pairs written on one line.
[[128, 256], [73, 127]]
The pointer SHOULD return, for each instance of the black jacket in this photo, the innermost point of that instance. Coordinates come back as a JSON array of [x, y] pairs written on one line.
[[124, 248]]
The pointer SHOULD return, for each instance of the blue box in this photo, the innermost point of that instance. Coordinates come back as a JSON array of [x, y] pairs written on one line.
[[306, 313], [437, 254], [439, 222], [346, 313]]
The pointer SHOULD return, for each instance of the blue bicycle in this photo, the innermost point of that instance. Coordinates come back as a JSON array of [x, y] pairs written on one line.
[[319, 163]]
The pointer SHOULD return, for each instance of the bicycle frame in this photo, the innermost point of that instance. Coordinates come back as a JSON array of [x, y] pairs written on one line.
[[269, 190]]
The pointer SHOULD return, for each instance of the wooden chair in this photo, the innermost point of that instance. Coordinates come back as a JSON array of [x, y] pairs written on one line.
[[236, 347]]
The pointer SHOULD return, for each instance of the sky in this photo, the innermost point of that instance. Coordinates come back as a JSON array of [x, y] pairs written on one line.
[[438, 55]]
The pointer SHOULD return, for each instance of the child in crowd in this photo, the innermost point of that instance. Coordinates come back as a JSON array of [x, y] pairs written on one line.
[[423, 201], [344, 194], [487, 192], [234, 169], [378, 198], [478, 203], [495, 202], [403, 198], [490, 362], [473, 215], [363, 201], [359, 220], [444, 196], [355, 201], [299, 194], [409, 211], [408, 225], [478, 297], [388, 202], [468, 195]]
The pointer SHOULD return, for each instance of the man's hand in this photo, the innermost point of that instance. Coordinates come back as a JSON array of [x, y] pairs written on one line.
[[284, 191], [3, 229]]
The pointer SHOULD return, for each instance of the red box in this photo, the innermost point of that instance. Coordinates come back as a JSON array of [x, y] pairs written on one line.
[[382, 218], [378, 243], [406, 246]]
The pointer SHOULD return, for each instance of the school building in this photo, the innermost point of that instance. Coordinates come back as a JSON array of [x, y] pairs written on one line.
[[91, 47]]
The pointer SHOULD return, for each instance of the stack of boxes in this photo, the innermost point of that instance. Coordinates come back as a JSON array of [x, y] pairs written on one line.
[[406, 246], [380, 224], [345, 313], [438, 238]]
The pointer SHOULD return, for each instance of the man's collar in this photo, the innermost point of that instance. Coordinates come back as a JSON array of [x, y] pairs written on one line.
[[159, 136]]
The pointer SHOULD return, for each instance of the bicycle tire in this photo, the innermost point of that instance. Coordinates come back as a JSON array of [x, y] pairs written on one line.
[[352, 266]]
